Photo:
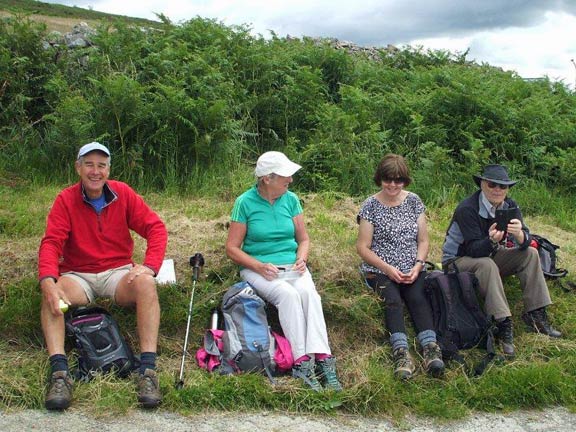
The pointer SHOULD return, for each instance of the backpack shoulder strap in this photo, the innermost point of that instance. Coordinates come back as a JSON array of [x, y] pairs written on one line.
[[468, 286], [444, 285], [443, 305]]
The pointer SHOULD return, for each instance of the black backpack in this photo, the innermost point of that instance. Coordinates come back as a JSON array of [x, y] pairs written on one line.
[[548, 258], [99, 343], [459, 321]]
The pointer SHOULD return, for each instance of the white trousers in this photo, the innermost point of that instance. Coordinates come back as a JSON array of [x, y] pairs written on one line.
[[299, 311]]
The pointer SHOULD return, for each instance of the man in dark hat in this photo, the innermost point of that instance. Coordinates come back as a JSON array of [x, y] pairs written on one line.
[[475, 244]]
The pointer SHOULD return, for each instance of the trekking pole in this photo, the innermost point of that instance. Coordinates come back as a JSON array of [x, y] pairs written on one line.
[[196, 262]]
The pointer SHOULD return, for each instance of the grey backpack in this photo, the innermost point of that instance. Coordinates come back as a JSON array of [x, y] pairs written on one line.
[[248, 343], [548, 258]]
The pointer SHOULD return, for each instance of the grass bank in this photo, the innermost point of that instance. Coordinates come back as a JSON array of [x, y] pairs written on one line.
[[543, 374]]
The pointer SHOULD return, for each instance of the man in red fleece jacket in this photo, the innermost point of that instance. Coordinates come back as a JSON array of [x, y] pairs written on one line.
[[86, 252]]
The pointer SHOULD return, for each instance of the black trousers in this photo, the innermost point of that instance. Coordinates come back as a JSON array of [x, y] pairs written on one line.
[[396, 295]]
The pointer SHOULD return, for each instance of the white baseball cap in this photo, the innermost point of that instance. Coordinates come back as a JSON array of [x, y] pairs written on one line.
[[90, 147], [274, 162]]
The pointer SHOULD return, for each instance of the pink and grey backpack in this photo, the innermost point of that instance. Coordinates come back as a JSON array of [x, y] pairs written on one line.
[[246, 344]]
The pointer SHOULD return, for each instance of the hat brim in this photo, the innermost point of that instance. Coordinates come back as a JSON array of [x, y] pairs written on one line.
[[288, 170], [478, 180]]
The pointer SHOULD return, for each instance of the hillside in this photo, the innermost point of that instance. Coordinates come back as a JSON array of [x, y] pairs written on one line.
[[62, 18]]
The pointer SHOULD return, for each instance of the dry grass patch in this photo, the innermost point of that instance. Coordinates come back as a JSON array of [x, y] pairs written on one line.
[[54, 23]]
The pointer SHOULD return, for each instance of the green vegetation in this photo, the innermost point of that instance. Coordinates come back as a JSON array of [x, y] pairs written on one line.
[[543, 373], [189, 107], [186, 110]]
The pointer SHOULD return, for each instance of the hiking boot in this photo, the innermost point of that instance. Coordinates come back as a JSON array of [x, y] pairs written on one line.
[[326, 372], [59, 392], [538, 322], [305, 371], [433, 364], [505, 335], [149, 389], [403, 363]]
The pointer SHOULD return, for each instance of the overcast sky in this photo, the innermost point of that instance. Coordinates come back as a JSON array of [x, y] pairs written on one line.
[[532, 37]]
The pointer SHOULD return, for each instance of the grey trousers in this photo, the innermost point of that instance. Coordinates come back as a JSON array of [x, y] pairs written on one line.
[[299, 311], [525, 264]]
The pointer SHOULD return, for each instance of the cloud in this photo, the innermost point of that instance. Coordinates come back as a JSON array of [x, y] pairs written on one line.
[[363, 21]]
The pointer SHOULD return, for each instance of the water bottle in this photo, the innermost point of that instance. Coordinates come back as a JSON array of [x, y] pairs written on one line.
[[214, 319]]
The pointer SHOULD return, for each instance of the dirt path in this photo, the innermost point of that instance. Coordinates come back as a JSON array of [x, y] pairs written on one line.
[[555, 419]]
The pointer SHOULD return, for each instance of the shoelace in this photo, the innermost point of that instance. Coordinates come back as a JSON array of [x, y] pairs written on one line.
[[307, 374], [432, 353], [329, 372], [331, 378], [402, 359], [506, 333], [148, 383], [59, 385]]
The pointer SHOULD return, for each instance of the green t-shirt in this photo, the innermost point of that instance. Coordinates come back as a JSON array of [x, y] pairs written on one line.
[[270, 233]]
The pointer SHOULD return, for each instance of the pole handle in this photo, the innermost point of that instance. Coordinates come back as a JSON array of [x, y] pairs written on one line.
[[196, 262]]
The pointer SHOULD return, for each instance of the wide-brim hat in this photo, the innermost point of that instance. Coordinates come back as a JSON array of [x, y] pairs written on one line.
[[496, 174]]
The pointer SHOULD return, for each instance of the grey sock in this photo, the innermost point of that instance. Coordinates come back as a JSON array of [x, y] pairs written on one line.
[[426, 337], [398, 340]]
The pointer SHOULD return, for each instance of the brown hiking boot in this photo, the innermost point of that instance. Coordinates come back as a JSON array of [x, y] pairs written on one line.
[[59, 393], [433, 364], [403, 363], [505, 336], [149, 389]]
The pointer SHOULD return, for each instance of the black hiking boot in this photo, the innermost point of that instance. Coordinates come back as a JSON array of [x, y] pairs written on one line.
[[59, 393], [505, 336], [537, 321], [433, 364]]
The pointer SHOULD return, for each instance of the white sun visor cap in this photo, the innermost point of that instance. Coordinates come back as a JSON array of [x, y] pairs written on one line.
[[274, 162], [93, 146]]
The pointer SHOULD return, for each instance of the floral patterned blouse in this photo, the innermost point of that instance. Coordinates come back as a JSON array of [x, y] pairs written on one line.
[[395, 231]]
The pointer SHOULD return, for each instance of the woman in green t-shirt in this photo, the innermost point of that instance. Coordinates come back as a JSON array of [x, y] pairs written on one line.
[[268, 239]]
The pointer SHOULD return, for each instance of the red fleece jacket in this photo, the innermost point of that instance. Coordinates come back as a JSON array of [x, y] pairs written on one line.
[[78, 239]]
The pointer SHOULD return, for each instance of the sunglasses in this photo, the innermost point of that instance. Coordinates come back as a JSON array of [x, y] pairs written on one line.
[[398, 180], [493, 185]]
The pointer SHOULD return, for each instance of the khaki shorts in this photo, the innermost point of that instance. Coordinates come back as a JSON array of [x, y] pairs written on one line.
[[101, 284]]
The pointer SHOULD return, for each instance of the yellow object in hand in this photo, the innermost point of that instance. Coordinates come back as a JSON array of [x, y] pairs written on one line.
[[63, 305]]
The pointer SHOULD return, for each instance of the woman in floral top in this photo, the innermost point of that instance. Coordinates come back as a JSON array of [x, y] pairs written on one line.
[[393, 244]]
